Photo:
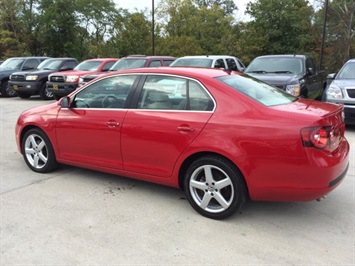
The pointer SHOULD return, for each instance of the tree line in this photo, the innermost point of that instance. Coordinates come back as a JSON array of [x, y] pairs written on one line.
[[100, 28]]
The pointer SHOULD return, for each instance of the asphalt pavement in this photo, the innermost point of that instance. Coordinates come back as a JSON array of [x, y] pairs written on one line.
[[75, 216]]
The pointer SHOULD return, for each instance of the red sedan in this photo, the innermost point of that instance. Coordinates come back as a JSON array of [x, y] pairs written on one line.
[[220, 136]]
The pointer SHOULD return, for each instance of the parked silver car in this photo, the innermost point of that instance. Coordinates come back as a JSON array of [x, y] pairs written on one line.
[[342, 90]]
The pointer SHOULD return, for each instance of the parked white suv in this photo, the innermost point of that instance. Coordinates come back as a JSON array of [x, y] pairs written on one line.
[[215, 61]]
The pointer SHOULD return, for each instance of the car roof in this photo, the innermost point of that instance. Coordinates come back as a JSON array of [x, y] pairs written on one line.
[[282, 55], [149, 57], [101, 59], [30, 57], [193, 72], [208, 56]]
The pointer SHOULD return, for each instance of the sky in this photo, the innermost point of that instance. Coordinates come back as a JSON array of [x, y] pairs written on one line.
[[142, 4]]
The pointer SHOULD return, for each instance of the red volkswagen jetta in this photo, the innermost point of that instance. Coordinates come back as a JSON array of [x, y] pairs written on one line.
[[221, 136]]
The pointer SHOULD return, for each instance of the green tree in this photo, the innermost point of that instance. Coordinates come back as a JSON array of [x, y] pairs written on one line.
[[280, 26]]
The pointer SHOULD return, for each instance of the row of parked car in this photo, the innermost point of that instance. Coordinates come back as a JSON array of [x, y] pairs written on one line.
[[295, 74]]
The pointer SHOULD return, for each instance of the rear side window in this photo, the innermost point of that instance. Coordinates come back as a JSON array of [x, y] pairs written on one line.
[[258, 90], [219, 63], [173, 93], [155, 63]]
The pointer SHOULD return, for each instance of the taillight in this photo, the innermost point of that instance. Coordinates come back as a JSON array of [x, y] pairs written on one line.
[[326, 138]]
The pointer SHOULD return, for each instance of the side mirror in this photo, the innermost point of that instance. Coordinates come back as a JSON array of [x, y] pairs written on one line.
[[331, 76], [64, 102], [310, 71]]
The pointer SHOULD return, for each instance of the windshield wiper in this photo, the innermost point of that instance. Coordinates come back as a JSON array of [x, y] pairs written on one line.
[[259, 71], [283, 72]]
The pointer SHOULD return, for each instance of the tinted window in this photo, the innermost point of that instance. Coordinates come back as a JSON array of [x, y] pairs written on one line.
[[69, 65], [172, 93], [219, 63], [155, 63], [110, 92], [107, 66], [258, 90], [232, 64], [30, 64], [276, 65], [168, 62]]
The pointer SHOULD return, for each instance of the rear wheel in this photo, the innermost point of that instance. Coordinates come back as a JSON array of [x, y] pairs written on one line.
[[214, 187], [38, 151], [6, 90], [45, 93]]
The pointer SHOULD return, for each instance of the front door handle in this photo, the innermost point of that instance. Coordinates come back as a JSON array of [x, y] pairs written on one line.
[[112, 124], [186, 129]]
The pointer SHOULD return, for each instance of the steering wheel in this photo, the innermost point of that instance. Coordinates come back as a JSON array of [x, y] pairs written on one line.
[[111, 101], [79, 103]]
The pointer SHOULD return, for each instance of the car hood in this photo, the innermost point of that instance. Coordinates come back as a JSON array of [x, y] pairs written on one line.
[[275, 79], [76, 72], [309, 107], [51, 108], [34, 72], [6, 71], [342, 83]]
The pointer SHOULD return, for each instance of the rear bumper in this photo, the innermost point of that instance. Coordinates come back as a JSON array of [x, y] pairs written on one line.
[[307, 179], [26, 87], [61, 89]]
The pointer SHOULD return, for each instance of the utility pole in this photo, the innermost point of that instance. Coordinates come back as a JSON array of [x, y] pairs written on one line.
[[153, 26], [323, 33]]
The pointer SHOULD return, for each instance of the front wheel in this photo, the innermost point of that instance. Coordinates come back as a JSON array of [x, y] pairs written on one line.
[[44, 93], [214, 187], [7, 90], [38, 151]]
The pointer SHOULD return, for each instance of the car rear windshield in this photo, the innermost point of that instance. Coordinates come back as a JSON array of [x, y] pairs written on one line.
[[279, 65], [197, 62], [88, 65], [124, 63], [257, 90]]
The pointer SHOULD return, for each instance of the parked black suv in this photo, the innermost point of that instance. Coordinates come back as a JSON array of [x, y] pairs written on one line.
[[27, 83], [133, 61], [15, 64]]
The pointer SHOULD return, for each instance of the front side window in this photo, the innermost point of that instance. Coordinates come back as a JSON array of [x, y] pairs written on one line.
[[219, 63], [232, 64], [173, 93], [258, 90], [197, 62], [111, 92], [155, 63], [50, 64], [107, 66], [30, 64], [126, 63]]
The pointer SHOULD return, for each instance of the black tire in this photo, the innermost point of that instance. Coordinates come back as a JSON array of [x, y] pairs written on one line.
[[38, 152], [44, 93], [57, 97], [6, 90], [23, 95], [221, 194]]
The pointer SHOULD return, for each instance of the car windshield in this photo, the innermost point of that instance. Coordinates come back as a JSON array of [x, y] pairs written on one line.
[[89, 65], [279, 65], [198, 62], [13, 63], [258, 90], [126, 63], [347, 71], [50, 64]]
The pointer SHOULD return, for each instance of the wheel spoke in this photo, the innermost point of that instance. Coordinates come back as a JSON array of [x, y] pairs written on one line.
[[208, 173], [223, 183], [205, 201], [221, 200], [43, 158], [198, 185], [41, 145], [33, 141], [35, 161], [29, 151]]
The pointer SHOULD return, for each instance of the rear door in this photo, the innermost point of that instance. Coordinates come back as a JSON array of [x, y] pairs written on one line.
[[169, 114]]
